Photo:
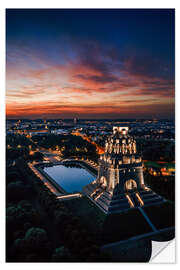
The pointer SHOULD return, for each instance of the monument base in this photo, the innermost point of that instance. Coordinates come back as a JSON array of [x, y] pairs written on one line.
[[112, 202]]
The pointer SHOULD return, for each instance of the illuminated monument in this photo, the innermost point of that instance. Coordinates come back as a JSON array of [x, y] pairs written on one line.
[[120, 183]]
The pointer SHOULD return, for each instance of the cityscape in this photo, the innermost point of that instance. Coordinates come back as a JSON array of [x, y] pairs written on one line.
[[90, 134]]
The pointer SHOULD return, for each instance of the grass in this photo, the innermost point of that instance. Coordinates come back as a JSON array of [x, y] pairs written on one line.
[[121, 226], [161, 215], [159, 165], [125, 225], [108, 228], [91, 216]]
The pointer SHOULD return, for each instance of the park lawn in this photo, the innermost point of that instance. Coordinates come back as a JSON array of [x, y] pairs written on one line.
[[122, 226], [159, 165], [91, 216], [108, 228], [161, 215]]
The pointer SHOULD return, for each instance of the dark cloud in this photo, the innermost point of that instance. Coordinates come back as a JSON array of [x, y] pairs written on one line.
[[97, 79], [140, 72]]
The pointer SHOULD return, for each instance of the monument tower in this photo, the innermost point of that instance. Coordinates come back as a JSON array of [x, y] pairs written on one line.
[[120, 182]]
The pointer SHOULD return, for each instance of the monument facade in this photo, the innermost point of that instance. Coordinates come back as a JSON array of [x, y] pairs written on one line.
[[120, 183]]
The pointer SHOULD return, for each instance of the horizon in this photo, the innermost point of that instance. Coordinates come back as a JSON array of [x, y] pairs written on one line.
[[94, 119], [65, 63]]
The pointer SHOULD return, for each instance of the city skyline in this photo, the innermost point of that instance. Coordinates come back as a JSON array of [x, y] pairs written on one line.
[[113, 63]]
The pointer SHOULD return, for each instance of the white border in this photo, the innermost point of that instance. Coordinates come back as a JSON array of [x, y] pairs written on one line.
[[90, 4], [72, 4]]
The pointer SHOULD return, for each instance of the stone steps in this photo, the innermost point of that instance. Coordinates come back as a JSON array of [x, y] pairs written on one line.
[[155, 199], [146, 193], [114, 203], [118, 202]]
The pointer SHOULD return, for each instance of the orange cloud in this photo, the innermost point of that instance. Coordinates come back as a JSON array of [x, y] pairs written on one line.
[[86, 87]]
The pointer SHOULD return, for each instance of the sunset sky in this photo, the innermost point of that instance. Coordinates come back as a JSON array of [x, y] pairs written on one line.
[[90, 63]]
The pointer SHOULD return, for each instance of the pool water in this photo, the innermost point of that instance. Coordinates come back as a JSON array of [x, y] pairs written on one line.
[[70, 178]]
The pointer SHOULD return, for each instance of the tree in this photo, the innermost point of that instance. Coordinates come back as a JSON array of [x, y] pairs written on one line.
[[61, 254], [36, 237], [16, 191], [34, 246], [11, 176], [16, 216], [38, 156], [25, 205]]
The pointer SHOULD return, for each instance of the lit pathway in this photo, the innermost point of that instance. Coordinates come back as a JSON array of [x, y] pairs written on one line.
[[147, 219]]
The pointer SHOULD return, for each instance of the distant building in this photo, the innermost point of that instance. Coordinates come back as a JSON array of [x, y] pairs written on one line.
[[60, 131], [75, 121], [33, 132]]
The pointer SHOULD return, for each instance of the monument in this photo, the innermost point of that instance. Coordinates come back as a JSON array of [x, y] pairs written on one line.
[[120, 183]]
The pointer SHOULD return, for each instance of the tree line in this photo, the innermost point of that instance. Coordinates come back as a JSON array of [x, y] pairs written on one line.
[[68, 145], [52, 233]]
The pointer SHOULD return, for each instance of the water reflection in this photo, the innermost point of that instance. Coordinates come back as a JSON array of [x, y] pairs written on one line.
[[71, 177]]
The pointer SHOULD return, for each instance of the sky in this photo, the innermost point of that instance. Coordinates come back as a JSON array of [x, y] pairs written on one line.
[[90, 63]]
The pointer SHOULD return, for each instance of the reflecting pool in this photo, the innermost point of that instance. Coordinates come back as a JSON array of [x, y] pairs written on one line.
[[71, 178]]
